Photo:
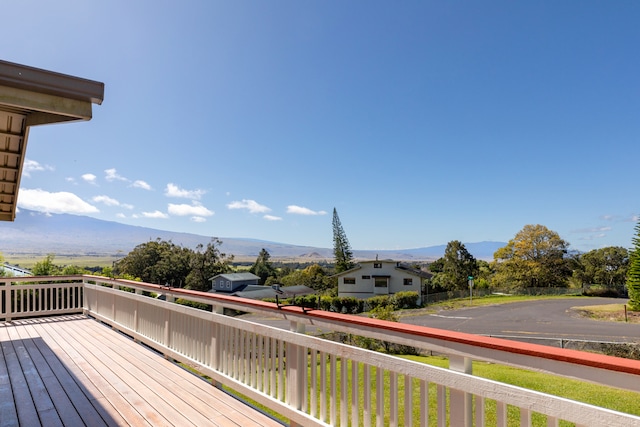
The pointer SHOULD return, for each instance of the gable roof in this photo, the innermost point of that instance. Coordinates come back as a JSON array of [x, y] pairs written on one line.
[[236, 277], [398, 266]]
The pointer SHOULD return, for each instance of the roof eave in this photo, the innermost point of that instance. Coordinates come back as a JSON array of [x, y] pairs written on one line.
[[51, 83]]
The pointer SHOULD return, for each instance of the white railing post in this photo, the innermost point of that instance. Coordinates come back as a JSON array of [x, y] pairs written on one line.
[[460, 402], [6, 290], [217, 344], [296, 368], [167, 330]]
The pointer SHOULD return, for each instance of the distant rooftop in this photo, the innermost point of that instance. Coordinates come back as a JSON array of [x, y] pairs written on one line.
[[30, 97]]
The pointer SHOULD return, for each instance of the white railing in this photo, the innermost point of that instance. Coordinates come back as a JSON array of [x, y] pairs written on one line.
[[315, 382], [40, 296]]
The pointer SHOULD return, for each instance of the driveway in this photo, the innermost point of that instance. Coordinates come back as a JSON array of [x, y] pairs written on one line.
[[548, 319]]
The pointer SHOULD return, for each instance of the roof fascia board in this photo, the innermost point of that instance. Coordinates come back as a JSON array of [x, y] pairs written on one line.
[[56, 108], [49, 82]]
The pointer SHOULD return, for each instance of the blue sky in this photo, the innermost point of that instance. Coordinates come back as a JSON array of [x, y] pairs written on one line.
[[421, 122]]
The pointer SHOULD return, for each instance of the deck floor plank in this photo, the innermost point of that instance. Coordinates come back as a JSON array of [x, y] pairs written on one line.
[[26, 411], [81, 372], [113, 407], [197, 394], [156, 395], [109, 403], [71, 398], [120, 372], [166, 382]]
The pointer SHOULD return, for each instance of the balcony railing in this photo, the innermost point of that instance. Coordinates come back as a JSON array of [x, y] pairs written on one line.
[[315, 382]]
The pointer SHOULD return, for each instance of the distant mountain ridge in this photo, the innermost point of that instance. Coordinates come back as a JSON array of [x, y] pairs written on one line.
[[64, 234]]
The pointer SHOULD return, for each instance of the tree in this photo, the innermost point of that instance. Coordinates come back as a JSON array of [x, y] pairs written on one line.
[[535, 257], [158, 261], [313, 276], [341, 248], [455, 268], [606, 266], [262, 267], [633, 275], [3, 272], [46, 267], [204, 264]]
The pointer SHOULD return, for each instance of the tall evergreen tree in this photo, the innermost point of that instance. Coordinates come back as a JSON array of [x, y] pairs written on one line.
[[341, 248], [262, 267], [457, 265], [633, 274]]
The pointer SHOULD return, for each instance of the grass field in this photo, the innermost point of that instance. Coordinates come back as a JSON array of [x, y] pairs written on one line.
[[28, 261]]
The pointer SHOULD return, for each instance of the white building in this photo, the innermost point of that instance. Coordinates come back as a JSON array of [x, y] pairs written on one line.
[[379, 277]]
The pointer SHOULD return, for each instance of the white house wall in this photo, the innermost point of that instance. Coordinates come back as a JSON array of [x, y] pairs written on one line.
[[364, 278]]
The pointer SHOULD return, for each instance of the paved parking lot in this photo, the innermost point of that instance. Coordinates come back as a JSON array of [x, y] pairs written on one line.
[[544, 318]]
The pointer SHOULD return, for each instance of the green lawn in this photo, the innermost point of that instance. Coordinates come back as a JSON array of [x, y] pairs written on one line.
[[597, 395]]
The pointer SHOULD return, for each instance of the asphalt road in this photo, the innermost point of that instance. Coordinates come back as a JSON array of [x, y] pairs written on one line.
[[547, 319]]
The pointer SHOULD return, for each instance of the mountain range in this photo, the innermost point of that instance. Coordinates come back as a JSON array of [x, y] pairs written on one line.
[[37, 233]]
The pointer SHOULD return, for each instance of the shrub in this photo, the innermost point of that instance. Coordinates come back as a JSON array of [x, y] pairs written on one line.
[[198, 305], [405, 300], [605, 292], [375, 302]]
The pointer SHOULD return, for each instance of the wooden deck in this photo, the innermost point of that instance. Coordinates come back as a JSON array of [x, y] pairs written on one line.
[[74, 371]]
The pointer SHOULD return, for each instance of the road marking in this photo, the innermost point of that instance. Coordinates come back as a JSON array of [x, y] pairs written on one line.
[[562, 336], [451, 317]]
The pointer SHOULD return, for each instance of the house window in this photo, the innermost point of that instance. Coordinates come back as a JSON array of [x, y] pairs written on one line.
[[228, 284], [408, 282], [349, 280], [377, 265], [381, 282], [366, 277]]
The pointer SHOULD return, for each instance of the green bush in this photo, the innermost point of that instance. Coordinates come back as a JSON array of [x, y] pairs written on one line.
[[326, 302], [379, 301], [349, 305], [193, 304], [405, 300], [603, 291]]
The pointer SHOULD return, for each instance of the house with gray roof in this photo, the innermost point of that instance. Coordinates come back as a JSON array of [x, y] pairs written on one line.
[[232, 282], [379, 277]]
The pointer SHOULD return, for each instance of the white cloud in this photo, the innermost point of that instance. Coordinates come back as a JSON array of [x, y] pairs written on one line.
[[173, 190], [112, 175], [155, 214], [89, 177], [592, 230], [272, 218], [198, 219], [106, 200], [110, 201], [60, 202], [195, 209], [299, 210], [251, 205], [33, 166], [141, 184], [120, 215]]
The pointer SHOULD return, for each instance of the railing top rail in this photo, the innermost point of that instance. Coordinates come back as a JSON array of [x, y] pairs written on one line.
[[26, 279], [561, 361]]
